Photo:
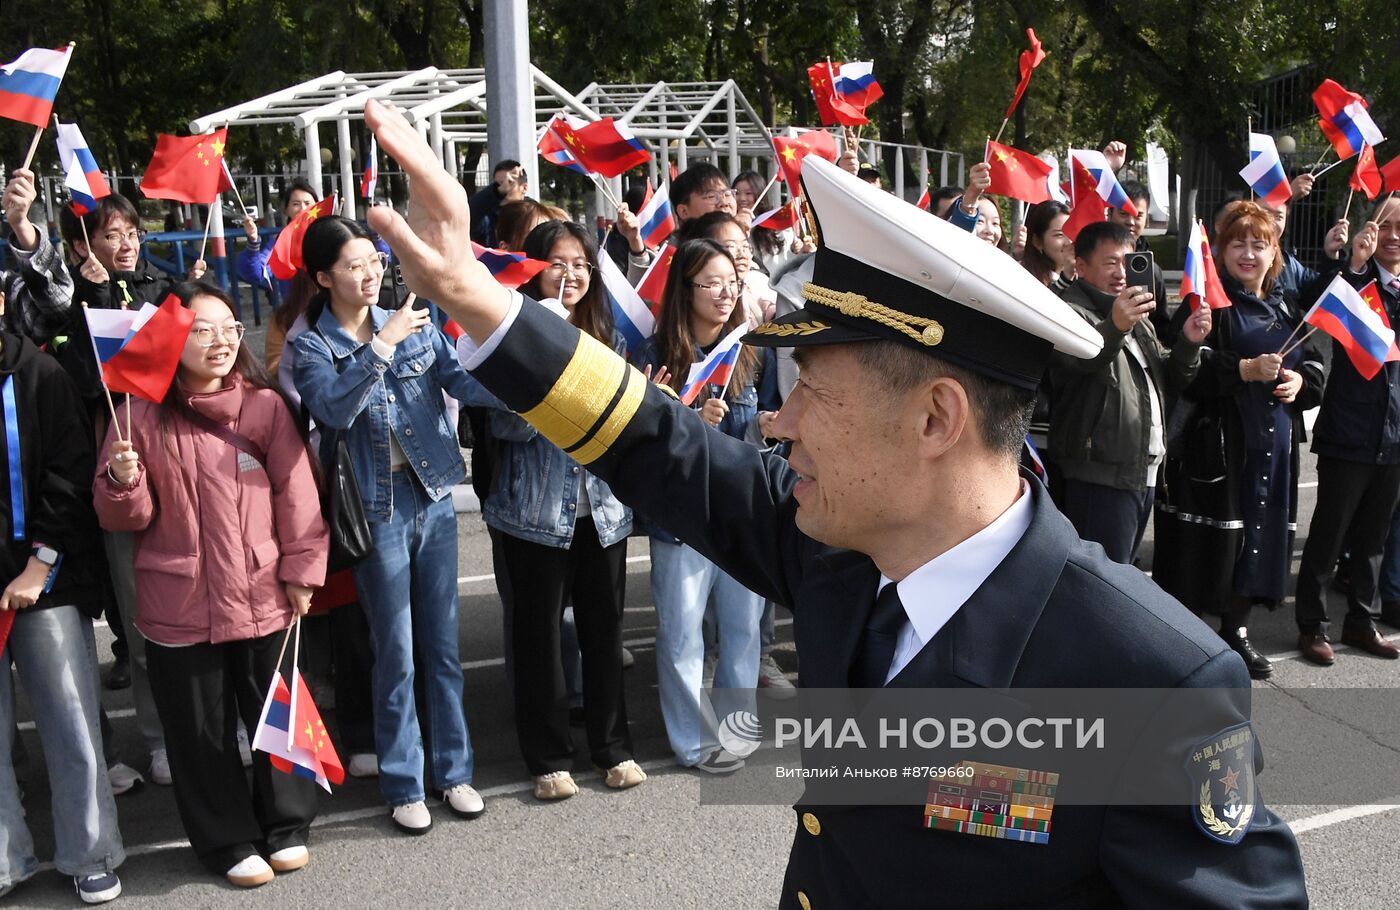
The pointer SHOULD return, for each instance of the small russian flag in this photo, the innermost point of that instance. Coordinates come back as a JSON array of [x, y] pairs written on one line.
[[371, 176], [511, 270], [1342, 313], [1345, 120], [717, 367], [81, 175], [632, 317], [1265, 173], [273, 735], [29, 84], [657, 221]]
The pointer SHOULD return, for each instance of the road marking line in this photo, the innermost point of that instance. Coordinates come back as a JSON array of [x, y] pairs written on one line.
[[353, 815], [1336, 816]]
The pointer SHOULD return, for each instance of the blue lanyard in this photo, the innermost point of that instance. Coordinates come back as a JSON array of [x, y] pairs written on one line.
[[12, 450]]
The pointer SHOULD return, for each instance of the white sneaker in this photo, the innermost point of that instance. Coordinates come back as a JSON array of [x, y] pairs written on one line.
[[160, 767], [363, 764], [289, 859], [464, 801], [245, 753], [123, 778], [413, 818], [772, 678], [707, 676], [250, 872]]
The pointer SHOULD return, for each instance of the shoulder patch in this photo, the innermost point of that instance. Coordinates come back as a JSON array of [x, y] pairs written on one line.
[[1221, 771]]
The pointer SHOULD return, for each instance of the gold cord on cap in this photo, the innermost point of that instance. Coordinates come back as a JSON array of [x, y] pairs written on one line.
[[848, 303]]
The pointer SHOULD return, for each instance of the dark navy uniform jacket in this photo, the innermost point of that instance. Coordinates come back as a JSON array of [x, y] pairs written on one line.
[[1055, 613]]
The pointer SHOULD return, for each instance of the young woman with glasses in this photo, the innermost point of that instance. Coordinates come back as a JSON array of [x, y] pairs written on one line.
[[379, 378], [563, 537], [700, 307], [228, 548]]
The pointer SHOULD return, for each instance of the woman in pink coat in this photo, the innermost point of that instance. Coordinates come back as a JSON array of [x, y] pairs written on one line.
[[229, 545]]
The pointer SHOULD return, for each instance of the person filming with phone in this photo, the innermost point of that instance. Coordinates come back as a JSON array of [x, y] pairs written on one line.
[[1108, 434]]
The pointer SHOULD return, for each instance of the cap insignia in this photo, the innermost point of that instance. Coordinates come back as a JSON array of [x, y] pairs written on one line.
[[923, 330]]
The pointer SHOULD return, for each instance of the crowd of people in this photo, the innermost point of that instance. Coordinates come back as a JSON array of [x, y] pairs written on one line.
[[196, 524]]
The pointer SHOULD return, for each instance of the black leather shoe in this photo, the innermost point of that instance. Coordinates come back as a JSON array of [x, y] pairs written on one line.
[[1390, 613], [1258, 665], [119, 677], [1372, 642]]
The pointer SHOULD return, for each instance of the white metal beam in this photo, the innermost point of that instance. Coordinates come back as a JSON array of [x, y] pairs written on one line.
[[356, 102], [232, 114]]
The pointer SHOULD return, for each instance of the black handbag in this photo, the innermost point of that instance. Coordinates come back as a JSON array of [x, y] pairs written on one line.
[[343, 509]]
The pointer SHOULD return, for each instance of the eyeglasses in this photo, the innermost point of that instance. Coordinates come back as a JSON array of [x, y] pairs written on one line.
[[359, 267], [115, 238], [560, 269], [720, 290], [717, 196], [740, 248], [206, 336]]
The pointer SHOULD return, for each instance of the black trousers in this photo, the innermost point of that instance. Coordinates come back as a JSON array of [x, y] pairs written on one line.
[[1355, 503], [543, 580], [354, 678], [1113, 518], [200, 692]]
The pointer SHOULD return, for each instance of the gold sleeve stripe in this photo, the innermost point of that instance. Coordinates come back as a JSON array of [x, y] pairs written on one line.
[[630, 399], [585, 397]]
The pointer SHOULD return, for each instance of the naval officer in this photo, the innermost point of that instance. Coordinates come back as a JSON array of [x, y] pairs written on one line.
[[909, 546]]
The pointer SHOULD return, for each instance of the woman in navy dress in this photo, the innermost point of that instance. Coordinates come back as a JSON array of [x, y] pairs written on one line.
[[1228, 511]]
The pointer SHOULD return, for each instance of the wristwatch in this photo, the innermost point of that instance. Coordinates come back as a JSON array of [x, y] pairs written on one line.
[[46, 554]]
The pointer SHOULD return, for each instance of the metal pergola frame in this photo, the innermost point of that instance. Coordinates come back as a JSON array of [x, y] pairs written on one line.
[[677, 121]]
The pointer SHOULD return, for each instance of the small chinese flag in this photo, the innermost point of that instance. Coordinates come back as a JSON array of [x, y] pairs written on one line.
[[1372, 296], [309, 732], [1367, 177], [792, 151], [1017, 174], [286, 252], [187, 168]]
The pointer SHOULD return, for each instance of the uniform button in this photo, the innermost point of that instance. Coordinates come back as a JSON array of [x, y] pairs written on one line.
[[1266, 478], [809, 821], [803, 901], [437, 491], [409, 432], [423, 464], [572, 507], [392, 398], [575, 469]]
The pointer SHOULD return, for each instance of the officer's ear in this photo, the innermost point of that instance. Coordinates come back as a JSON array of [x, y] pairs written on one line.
[[946, 413]]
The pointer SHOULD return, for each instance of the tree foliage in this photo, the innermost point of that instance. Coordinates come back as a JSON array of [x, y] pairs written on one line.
[[1180, 70]]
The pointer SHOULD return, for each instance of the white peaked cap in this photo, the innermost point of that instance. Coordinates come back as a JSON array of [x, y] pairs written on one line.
[[887, 269]]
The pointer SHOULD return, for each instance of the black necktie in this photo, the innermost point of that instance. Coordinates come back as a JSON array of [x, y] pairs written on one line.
[[872, 662]]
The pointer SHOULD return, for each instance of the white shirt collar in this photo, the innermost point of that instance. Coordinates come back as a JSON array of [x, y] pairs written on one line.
[[1386, 276], [932, 593]]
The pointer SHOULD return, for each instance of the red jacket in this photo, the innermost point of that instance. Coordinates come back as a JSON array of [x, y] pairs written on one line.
[[217, 536]]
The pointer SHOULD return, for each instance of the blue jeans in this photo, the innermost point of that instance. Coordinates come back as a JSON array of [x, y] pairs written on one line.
[[682, 583], [1390, 562], [55, 655], [408, 587]]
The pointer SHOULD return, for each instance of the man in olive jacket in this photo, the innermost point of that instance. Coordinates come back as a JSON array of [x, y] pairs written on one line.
[[1108, 416]]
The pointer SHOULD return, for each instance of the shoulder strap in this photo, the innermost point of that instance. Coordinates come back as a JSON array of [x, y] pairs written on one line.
[[232, 437]]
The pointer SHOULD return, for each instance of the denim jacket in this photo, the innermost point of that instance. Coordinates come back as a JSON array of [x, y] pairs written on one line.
[[347, 386], [536, 490]]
